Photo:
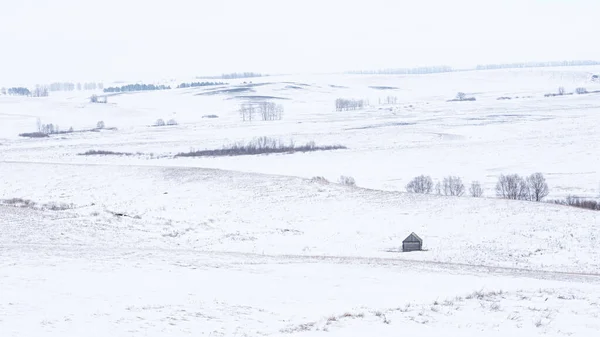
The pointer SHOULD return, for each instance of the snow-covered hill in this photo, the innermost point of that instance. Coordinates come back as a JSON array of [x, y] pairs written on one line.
[[151, 245]]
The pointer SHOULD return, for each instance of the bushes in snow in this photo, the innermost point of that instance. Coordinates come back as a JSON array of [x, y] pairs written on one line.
[[575, 201], [348, 181], [260, 145], [421, 184], [511, 186], [476, 191], [161, 122]]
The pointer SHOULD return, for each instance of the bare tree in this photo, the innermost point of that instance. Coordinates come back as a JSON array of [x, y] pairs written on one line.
[[247, 111], [561, 90], [100, 125], [269, 111], [476, 190], [461, 96], [346, 180], [159, 122], [420, 184], [342, 104], [438, 188], [513, 187], [538, 188], [453, 186]]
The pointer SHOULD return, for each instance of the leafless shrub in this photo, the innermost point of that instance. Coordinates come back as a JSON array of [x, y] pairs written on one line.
[[538, 188], [105, 153], [33, 135], [18, 202], [495, 307], [453, 186], [476, 190], [578, 202], [57, 206], [159, 122], [538, 323], [95, 99], [581, 91], [347, 181], [171, 122], [100, 125], [461, 96], [320, 180], [342, 104], [512, 187], [420, 184]]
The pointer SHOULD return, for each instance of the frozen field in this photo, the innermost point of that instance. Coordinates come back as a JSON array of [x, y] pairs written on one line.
[[151, 245]]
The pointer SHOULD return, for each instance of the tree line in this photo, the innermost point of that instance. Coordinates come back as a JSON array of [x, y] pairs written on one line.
[[199, 84], [136, 87]]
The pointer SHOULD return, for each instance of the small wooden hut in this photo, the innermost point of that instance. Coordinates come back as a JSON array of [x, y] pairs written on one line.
[[412, 242]]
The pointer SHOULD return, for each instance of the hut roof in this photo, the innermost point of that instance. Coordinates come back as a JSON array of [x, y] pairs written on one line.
[[413, 238]]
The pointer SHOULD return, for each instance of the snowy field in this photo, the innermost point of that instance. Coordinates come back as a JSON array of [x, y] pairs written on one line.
[[151, 245]]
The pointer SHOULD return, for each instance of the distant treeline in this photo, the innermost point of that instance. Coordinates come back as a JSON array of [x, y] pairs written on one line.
[[69, 86], [136, 87], [405, 71], [199, 84], [234, 76], [16, 91], [537, 64]]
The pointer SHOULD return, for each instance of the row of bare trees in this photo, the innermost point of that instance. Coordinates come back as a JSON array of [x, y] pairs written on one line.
[[512, 186], [266, 111], [343, 104]]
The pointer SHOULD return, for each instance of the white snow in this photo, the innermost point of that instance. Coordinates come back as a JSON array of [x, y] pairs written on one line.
[[250, 246]]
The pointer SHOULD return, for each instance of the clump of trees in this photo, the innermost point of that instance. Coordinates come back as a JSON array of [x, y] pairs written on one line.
[[347, 181], [137, 87], [343, 104], [405, 71], [266, 111], [512, 186], [421, 184], [161, 122], [199, 84], [260, 145], [40, 91], [537, 64], [515, 187], [19, 91], [241, 75], [461, 96], [389, 100], [475, 190], [96, 99], [578, 202]]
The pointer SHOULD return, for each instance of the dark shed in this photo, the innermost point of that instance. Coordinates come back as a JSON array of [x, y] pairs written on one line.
[[411, 243]]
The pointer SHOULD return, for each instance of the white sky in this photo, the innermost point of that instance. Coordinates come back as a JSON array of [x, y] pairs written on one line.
[[43, 40]]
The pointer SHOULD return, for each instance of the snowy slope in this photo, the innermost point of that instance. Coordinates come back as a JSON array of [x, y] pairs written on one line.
[[149, 245]]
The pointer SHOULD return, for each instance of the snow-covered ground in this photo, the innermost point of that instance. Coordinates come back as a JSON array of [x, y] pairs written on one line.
[[151, 245]]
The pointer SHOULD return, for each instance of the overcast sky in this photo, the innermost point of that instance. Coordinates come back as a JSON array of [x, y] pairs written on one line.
[[43, 40]]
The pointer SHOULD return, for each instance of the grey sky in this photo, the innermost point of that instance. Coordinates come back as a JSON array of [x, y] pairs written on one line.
[[129, 39]]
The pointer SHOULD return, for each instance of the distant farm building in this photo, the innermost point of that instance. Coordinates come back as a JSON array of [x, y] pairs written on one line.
[[411, 243]]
